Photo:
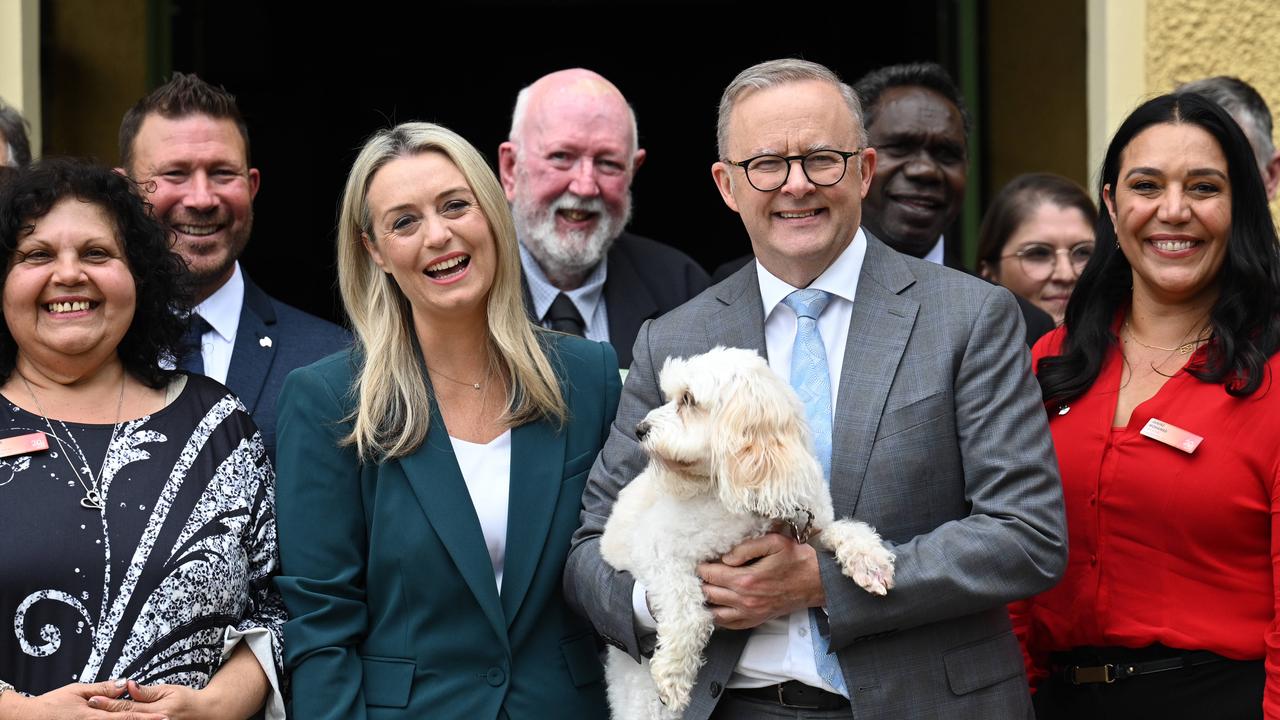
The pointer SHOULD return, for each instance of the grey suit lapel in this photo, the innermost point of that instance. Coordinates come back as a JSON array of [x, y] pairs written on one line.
[[878, 333], [255, 347], [739, 320]]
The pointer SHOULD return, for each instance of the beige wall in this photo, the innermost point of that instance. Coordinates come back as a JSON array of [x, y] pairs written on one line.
[[1173, 41], [20, 62]]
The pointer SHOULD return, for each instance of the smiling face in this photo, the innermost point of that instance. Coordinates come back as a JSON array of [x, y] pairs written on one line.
[[430, 235], [69, 297], [920, 171], [798, 230], [568, 174], [1171, 208], [1050, 231], [203, 190]]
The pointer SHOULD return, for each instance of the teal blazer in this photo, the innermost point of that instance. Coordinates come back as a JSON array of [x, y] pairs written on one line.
[[385, 571]]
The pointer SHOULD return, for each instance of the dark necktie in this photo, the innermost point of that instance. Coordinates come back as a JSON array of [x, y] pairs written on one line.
[[192, 358], [563, 316]]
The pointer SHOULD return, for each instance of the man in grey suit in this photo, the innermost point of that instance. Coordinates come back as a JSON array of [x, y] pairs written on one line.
[[937, 437], [188, 145]]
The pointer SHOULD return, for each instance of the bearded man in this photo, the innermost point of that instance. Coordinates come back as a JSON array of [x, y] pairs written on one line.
[[567, 169], [187, 145]]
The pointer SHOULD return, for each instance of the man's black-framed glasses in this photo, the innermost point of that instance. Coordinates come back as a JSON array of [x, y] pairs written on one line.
[[767, 173]]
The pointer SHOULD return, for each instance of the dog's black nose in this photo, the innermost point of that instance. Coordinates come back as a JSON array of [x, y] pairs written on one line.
[[642, 429]]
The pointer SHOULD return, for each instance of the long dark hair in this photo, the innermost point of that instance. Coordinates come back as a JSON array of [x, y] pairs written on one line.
[[162, 291], [1243, 320]]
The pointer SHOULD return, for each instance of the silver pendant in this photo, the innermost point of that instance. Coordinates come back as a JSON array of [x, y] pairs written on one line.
[[92, 500]]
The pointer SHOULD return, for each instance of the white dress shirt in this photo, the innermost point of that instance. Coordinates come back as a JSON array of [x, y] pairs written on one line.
[[938, 255], [781, 649], [222, 311], [486, 468]]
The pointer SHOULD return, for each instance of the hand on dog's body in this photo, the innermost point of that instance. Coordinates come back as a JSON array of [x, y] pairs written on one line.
[[729, 457], [760, 579]]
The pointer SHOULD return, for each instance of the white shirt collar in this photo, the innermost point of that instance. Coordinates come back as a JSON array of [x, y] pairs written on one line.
[[222, 309], [840, 278], [937, 255]]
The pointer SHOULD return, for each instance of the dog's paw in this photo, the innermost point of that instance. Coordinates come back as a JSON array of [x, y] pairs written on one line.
[[871, 568], [659, 711], [674, 688]]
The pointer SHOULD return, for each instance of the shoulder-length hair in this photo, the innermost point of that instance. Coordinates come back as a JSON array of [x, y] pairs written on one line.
[[1243, 319], [163, 294], [393, 401], [1017, 201]]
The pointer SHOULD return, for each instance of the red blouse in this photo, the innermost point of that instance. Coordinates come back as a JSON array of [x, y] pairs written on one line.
[[1165, 546]]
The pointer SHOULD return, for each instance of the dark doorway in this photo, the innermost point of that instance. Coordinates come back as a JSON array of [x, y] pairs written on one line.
[[315, 82]]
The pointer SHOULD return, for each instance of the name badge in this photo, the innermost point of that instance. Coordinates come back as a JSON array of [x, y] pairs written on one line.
[[1171, 435], [23, 444]]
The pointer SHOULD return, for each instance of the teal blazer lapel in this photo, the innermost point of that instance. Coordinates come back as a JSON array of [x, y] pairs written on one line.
[[537, 459], [437, 482], [879, 329]]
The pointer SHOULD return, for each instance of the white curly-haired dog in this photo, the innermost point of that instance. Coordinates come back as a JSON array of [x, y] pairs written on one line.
[[729, 456]]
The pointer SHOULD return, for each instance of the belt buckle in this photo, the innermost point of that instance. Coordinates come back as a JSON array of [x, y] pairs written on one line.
[[1095, 674], [783, 701]]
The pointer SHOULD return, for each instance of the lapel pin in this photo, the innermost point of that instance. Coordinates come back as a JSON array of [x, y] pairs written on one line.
[[264, 341], [1064, 409]]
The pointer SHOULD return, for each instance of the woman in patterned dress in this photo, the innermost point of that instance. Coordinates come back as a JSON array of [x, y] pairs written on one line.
[[136, 503]]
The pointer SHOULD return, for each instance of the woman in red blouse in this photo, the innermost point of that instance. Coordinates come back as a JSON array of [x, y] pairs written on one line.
[[1162, 401]]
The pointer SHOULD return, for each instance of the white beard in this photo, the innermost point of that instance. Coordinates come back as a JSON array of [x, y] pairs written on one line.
[[574, 253]]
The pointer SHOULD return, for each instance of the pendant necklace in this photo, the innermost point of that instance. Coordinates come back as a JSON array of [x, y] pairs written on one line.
[[92, 499], [1185, 348]]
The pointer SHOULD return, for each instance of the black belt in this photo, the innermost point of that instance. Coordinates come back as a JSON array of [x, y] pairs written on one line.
[[1111, 672], [795, 694]]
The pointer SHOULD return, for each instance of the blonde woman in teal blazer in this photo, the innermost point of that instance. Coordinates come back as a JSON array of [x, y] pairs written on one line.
[[430, 480]]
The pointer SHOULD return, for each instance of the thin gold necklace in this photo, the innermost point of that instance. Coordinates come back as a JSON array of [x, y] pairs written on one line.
[[1184, 349], [92, 499], [475, 385]]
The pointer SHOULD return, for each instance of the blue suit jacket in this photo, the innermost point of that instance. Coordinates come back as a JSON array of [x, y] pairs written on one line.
[[386, 574], [272, 340]]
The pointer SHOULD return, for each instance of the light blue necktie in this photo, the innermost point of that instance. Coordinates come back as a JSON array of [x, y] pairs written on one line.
[[812, 382]]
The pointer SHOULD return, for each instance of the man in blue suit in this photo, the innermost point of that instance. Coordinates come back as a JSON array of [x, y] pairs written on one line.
[[188, 145]]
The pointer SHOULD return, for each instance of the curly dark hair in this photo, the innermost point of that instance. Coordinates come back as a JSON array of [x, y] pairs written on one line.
[[159, 274], [1245, 319]]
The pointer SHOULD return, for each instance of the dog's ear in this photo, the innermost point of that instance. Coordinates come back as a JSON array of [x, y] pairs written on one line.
[[671, 376], [761, 455]]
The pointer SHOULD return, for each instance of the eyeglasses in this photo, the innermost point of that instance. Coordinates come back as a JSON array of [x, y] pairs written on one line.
[[767, 173], [1038, 260]]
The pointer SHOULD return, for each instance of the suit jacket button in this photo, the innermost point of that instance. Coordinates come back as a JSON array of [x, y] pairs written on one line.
[[495, 676], [715, 689]]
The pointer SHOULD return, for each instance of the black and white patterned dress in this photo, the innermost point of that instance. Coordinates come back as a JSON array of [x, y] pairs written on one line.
[[179, 559]]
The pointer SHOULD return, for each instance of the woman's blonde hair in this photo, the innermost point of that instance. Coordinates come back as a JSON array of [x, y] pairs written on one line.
[[392, 409]]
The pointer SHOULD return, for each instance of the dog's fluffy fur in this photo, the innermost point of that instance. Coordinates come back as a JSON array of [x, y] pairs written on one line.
[[730, 454]]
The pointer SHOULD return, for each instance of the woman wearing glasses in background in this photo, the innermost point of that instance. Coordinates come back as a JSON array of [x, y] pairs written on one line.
[[1036, 238]]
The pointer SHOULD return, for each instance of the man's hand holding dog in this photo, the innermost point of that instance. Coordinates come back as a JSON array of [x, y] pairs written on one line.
[[761, 579]]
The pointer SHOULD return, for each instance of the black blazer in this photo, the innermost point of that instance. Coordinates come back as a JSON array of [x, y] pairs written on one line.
[[645, 279]]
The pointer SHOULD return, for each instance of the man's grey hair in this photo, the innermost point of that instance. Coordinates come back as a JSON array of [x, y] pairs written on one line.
[[14, 129], [522, 109], [1246, 106], [773, 73]]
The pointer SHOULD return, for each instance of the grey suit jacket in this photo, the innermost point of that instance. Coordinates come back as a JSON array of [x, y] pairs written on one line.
[[940, 442]]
